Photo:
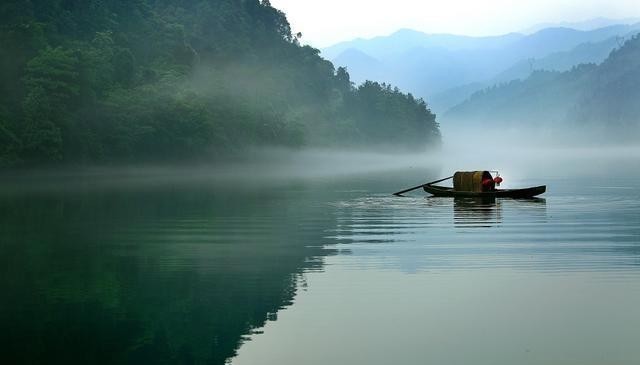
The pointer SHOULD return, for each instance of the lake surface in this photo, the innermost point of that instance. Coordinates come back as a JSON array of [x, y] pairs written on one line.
[[154, 270]]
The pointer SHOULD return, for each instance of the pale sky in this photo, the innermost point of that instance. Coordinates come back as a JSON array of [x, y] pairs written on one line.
[[325, 22]]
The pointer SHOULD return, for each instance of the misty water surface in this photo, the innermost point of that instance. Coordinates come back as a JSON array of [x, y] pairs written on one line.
[[316, 268]]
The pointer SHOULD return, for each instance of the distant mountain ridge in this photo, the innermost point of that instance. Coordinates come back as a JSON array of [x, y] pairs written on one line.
[[404, 39], [559, 61], [589, 24], [429, 65], [601, 99]]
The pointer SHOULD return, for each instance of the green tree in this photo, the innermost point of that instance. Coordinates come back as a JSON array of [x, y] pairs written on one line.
[[42, 140], [54, 72]]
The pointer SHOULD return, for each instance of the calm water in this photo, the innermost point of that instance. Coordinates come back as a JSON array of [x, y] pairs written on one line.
[[177, 271]]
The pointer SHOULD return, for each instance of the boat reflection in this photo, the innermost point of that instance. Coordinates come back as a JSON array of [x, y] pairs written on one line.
[[477, 212], [489, 212]]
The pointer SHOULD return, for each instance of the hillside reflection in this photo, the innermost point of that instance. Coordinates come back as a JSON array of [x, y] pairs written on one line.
[[160, 275]]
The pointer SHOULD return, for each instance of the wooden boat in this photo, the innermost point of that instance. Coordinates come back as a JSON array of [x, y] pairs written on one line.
[[497, 193], [476, 184]]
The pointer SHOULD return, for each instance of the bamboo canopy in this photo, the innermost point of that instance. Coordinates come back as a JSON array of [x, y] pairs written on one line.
[[471, 181]]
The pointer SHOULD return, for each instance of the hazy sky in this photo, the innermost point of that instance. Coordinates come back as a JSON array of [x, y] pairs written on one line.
[[325, 22]]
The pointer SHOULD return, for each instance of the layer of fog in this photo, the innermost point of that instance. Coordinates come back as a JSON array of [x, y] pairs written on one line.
[[258, 167], [525, 155], [520, 162]]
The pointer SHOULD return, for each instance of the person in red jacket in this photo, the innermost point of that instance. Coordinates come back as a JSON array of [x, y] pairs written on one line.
[[489, 183]]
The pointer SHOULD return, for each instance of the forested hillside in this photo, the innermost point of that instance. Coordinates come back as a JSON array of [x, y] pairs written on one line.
[[601, 98], [158, 80]]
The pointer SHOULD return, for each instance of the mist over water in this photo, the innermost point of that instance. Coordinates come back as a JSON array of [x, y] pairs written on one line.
[[530, 153], [257, 167], [520, 162]]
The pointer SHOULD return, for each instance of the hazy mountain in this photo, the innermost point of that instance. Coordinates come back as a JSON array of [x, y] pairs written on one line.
[[600, 100], [559, 61], [444, 100], [428, 64], [362, 66], [589, 24], [405, 39]]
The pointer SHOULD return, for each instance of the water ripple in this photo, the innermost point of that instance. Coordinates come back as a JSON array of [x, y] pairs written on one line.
[[563, 233]]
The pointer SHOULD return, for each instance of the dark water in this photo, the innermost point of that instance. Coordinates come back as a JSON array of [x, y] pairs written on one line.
[[165, 271]]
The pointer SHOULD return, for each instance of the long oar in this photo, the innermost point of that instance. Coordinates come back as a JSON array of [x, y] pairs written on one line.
[[419, 186]]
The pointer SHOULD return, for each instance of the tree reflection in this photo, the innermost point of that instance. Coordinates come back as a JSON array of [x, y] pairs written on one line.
[[167, 276]]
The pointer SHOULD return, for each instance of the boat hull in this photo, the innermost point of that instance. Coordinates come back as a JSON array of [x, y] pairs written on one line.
[[504, 193]]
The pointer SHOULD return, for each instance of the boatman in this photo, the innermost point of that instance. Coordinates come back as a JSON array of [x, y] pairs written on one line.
[[488, 184]]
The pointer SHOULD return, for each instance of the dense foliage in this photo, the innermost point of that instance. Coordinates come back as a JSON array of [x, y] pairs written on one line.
[[116, 80], [602, 99]]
